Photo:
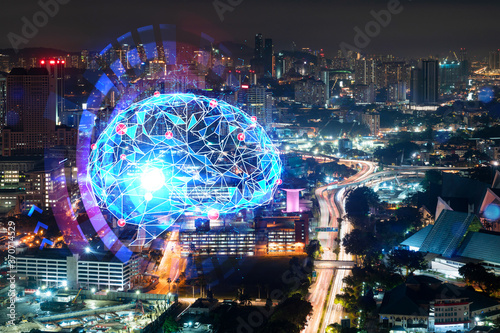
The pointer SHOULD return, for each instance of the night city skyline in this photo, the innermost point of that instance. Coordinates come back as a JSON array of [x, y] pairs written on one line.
[[239, 166]]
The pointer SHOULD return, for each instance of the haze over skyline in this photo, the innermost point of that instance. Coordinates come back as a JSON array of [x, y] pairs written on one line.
[[422, 28]]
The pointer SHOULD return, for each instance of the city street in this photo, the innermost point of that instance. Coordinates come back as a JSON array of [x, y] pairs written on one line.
[[171, 266], [331, 203]]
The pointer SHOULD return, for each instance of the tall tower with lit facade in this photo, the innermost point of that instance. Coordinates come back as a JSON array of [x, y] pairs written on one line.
[[424, 82], [55, 69]]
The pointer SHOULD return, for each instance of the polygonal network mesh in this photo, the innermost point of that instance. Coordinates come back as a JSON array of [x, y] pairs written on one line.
[[175, 153]]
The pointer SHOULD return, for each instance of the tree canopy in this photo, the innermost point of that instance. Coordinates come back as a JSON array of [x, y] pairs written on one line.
[[358, 204], [477, 274], [409, 260]]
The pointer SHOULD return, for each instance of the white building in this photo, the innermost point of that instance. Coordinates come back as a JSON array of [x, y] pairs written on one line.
[[56, 267]]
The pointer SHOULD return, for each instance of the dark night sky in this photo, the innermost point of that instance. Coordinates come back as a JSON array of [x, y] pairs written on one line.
[[423, 28]]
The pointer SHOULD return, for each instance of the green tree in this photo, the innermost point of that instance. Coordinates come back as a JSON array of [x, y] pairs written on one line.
[[362, 244], [333, 328], [294, 310], [170, 325], [313, 248], [281, 326], [358, 204], [477, 274], [409, 260]]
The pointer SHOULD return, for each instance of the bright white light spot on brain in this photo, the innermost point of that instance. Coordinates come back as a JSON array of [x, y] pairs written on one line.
[[153, 179]]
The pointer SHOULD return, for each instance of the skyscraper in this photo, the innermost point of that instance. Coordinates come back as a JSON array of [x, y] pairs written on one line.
[[372, 121], [259, 47], [27, 100], [494, 60], [3, 99], [364, 71], [463, 55], [268, 57], [424, 82], [31, 113], [4, 63], [430, 81], [84, 59], [257, 101], [280, 65], [450, 76], [55, 68], [390, 73], [464, 64]]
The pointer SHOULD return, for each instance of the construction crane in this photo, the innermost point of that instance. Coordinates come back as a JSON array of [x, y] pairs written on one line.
[[76, 297], [352, 127], [334, 83]]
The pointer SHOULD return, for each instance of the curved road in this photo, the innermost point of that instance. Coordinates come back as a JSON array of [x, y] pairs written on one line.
[[331, 206]]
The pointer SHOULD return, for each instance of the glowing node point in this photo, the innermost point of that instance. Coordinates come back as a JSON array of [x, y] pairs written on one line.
[[279, 181], [121, 223], [123, 157], [93, 146], [121, 129], [213, 214], [148, 196], [169, 135], [213, 103], [157, 93], [241, 137], [254, 119]]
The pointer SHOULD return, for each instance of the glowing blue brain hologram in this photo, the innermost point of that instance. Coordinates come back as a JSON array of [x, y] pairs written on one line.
[[175, 153]]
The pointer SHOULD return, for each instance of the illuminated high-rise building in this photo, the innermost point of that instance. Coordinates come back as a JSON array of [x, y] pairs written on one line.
[[84, 59], [424, 82], [55, 68], [494, 60], [464, 64], [31, 111], [268, 58], [28, 118], [463, 55], [364, 93], [259, 47], [396, 92], [450, 76], [258, 101], [257, 63], [4, 63], [27, 100], [123, 54], [311, 92], [75, 61], [364, 71], [390, 73], [280, 65], [372, 121], [3, 99]]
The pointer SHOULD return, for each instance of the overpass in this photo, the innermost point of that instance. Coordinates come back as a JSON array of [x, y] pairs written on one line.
[[338, 264], [405, 171]]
